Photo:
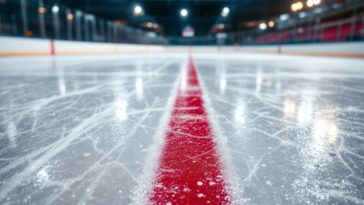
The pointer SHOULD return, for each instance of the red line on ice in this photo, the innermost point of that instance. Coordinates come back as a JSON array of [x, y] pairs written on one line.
[[189, 169]]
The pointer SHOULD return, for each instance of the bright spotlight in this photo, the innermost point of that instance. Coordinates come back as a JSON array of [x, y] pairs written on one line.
[[262, 26], [138, 10], [184, 12], [316, 2], [70, 16], [271, 24], [294, 7], [149, 25], [42, 10], [310, 3], [55, 9], [225, 11], [297, 6]]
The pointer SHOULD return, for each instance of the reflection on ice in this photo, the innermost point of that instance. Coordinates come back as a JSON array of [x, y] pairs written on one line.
[[325, 133], [11, 132], [43, 176], [239, 113], [61, 83], [61, 141], [295, 149], [258, 80], [278, 87], [221, 75], [304, 113], [222, 83], [139, 88], [289, 108], [121, 106], [183, 81], [139, 80], [305, 110]]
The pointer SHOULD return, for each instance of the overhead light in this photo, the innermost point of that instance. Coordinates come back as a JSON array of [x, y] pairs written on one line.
[[297, 6], [294, 7], [262, 26], [70, 16], [271, 24], [184, 12], [316, 2], [42, 10], [149, 24], [310, 3], [138, 10], [225, 11], [55, 9]]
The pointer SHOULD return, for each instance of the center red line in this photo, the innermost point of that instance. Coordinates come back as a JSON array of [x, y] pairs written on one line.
[[189, 169]]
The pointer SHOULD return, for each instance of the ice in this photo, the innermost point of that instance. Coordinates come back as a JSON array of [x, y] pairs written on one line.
[[89, 130], [291, 126], [77, 126]]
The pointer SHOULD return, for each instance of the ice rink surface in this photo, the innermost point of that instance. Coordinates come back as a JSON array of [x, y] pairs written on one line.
[[81, 129]]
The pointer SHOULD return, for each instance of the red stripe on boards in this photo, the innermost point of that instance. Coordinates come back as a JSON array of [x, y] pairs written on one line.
[[53, 50], [189, 170]]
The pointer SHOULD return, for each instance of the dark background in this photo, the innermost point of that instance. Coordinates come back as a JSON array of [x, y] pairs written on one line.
[[203, 14]]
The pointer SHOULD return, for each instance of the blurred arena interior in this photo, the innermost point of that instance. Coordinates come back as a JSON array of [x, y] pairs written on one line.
[[181, 102], [160, 22]]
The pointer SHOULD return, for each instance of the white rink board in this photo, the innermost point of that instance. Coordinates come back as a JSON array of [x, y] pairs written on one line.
[[11, 45]]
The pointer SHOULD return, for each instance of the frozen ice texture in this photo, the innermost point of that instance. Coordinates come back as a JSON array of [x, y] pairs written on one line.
[[77, 130]]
